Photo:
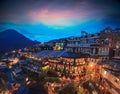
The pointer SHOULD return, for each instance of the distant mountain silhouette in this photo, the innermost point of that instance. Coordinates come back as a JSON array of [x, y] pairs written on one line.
[[10, 39]]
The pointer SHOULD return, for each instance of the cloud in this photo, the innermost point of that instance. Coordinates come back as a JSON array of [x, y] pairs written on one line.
[[49, 19], [66, 17], [56, 12]]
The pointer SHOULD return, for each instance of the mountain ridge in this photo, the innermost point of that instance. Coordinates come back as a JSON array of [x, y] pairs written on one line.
[[11, 39]]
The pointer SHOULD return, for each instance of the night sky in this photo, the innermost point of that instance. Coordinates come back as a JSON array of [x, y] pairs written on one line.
[[44, 20]]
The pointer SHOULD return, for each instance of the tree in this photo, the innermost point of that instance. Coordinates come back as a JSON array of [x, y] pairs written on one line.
[[70, 89], [22, 57], [51, 79], [3, 79]]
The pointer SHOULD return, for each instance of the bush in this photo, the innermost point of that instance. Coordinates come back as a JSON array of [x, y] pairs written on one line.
[[70, 89], [51, 79], [33, 76], [22, 58], [52, 74]]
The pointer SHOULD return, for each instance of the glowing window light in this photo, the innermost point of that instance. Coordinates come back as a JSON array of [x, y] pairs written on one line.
[[91, 65], [105, 72]]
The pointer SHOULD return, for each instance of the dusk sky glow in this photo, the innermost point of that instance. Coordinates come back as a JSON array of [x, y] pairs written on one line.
[[44, 20]]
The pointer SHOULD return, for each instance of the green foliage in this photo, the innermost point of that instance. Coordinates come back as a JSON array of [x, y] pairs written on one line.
[[70, 89], [3, 79], [22, 58], [51, 79], [52, 74], [81, 91], [33, 76]]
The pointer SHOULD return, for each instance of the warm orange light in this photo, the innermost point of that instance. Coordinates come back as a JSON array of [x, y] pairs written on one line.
[[77, 78], [105, 72], [91, 65]]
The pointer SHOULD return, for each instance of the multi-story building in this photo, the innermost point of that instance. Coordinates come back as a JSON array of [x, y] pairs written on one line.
[[86, 44], [106, 37], [110, 43], [105, 44], [58, 44], [117, 42]]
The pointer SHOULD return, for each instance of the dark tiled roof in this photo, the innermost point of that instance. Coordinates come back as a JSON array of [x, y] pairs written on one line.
[[53, 53], [75, 55]]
